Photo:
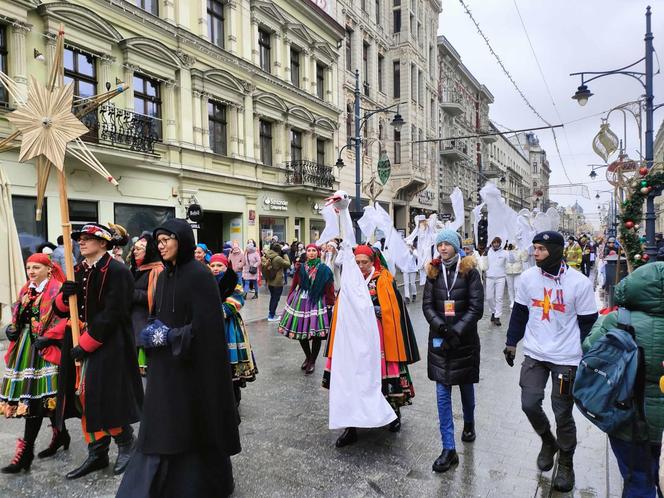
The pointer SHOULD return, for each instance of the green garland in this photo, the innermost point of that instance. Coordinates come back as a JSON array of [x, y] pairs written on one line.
[[632, 214]]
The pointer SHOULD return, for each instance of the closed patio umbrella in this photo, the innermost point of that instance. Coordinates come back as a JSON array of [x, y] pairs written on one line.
[[12, 272]]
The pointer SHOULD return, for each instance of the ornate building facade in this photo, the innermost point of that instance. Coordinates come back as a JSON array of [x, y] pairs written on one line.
[[231, 105]]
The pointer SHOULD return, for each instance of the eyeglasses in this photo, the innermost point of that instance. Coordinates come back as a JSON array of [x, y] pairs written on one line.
[[161, 242]]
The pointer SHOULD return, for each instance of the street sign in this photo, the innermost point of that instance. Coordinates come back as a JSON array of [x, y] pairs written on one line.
[[195, 212]]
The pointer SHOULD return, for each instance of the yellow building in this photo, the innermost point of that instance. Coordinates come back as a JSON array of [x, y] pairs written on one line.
[[232, 105]]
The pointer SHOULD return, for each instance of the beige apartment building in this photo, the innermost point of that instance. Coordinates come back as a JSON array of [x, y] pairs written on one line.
[[232, 105]]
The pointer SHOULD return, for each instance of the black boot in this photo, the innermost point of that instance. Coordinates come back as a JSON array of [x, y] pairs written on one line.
[[22, 458], [97, 459], [447, 459], [60, 438], [395, 425], [349, 436], [125, 451], [497, 322], [548, 452], [468, 434], [493, 318], [564, 480]]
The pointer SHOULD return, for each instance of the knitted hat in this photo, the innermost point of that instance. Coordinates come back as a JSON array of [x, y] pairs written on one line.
[[314, 246], [219, 258], [549, 238], [449, 236]]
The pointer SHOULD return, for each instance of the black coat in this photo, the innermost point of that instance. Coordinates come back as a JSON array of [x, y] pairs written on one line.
[[139, 302], [113, 392], [461, 364], [189, 401]]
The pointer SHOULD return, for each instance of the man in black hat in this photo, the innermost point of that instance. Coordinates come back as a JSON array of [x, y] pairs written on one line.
[[553, 312], [109, 391], [189, 427]]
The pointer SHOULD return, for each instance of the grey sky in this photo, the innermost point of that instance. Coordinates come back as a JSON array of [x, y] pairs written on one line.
[[568, 36]]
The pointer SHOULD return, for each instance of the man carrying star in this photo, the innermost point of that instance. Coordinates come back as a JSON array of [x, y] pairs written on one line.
[[553, 312]]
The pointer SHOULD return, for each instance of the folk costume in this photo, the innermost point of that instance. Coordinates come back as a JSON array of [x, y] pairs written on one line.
[[145, 271], [371, 344], [30, 382], [308, 311], [107, 393], [240, 354], [189, 426]]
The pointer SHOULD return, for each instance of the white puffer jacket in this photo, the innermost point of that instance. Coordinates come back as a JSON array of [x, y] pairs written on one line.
[[515, 260]]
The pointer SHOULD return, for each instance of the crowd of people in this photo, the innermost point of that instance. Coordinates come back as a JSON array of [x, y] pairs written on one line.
[[162, 341]]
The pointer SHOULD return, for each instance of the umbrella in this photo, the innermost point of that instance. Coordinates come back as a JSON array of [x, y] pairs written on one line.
[[12, 273]]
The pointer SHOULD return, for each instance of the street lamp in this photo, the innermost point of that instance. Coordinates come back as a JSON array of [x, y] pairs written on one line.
[[646, 79], [360, 121]]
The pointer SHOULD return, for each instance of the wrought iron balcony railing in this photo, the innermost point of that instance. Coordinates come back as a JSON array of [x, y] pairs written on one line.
[[123, 128], [309, 173]]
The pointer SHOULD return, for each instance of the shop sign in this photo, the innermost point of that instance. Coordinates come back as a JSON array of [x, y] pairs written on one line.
[[426, 197], [317, 207], [275, 204], [446, 216], [195, 226], [195, 212]]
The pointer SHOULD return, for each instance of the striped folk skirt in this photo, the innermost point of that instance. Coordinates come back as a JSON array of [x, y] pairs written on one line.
[[303, 318], [30, 383]]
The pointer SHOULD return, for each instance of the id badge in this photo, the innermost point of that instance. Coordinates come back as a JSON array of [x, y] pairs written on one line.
[[448, 306]]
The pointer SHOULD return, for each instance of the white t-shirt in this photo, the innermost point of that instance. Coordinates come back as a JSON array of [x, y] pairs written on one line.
[[497, 263], [552, 333]]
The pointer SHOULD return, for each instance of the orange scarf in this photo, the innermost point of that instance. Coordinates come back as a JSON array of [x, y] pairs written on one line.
[[155, 269]]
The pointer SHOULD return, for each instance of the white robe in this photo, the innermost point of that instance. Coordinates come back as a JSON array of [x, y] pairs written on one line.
[[356, 397]]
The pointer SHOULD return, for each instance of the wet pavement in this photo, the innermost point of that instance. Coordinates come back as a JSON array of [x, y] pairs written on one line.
[[289, 451]]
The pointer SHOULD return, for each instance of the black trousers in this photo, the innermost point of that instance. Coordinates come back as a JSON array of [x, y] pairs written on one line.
[[275, 295], [534, 377]]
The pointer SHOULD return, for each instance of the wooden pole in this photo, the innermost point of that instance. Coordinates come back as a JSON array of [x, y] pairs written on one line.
[[69, 255]]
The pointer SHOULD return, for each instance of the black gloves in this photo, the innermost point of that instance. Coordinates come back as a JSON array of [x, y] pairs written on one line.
[[42, 342], [78, 353], [69, 288], [510, 354], [452, 340], [12, 332]]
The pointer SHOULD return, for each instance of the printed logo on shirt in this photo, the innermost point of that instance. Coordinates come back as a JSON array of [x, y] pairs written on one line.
[[547, 305]]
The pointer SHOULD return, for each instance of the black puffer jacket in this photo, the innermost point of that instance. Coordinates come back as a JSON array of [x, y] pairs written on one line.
[[457, 361]]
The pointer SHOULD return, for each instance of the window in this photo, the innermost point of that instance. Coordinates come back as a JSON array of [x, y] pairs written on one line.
[[147, 100], [396, 79], [365, 67], [535, 167], [349, 49], [349, 122], [215, 12], [264, 50], [151, 6], [141, 218], [266, 142], [80, 70], [4, 96], [296, 145], [295, 67], [380, 131], [420, 88], [413, 82], [31, 233], [378, 12], [397, 147], [320, 81], [82, 212], [381, 71], [218, 128], [364, 5], [396, 16], [320, 151]]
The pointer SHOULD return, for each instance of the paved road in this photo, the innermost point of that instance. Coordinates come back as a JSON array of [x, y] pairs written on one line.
[[289, 451]]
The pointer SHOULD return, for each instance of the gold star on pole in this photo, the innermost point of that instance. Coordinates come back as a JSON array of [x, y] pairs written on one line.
[[47, 125]]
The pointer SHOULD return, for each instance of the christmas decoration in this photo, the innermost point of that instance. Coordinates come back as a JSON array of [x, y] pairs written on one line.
[[643, 171], [632, 211]]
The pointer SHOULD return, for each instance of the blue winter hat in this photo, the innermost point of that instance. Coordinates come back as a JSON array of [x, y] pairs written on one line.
[[449, 236]]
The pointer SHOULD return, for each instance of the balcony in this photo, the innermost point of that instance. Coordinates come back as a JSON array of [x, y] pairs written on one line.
[[117, 127], [450, 102], [455, 150], [409, 179], [308, 176]]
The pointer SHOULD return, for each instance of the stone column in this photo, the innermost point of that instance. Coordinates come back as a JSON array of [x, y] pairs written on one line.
[[202, 19], [256, 133], [232, 131], [197, 117], [278, 139], [255, 57], [18, 67], [308, 145], [128, 77], [184, 110], [105, 63], [168, 115], [250, 139], [285, 143], [287, 59], [332, 80], [205, 123], [168, 11], [305, 78], [50, 52], [182, 13], [241, 132], [276, 49], [233, 23]]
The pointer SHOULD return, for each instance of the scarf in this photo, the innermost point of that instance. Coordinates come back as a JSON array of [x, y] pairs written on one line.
[[314, 276], [155, 269], [450, 263]]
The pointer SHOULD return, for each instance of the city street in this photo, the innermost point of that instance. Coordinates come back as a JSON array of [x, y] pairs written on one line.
[[289, 451]]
